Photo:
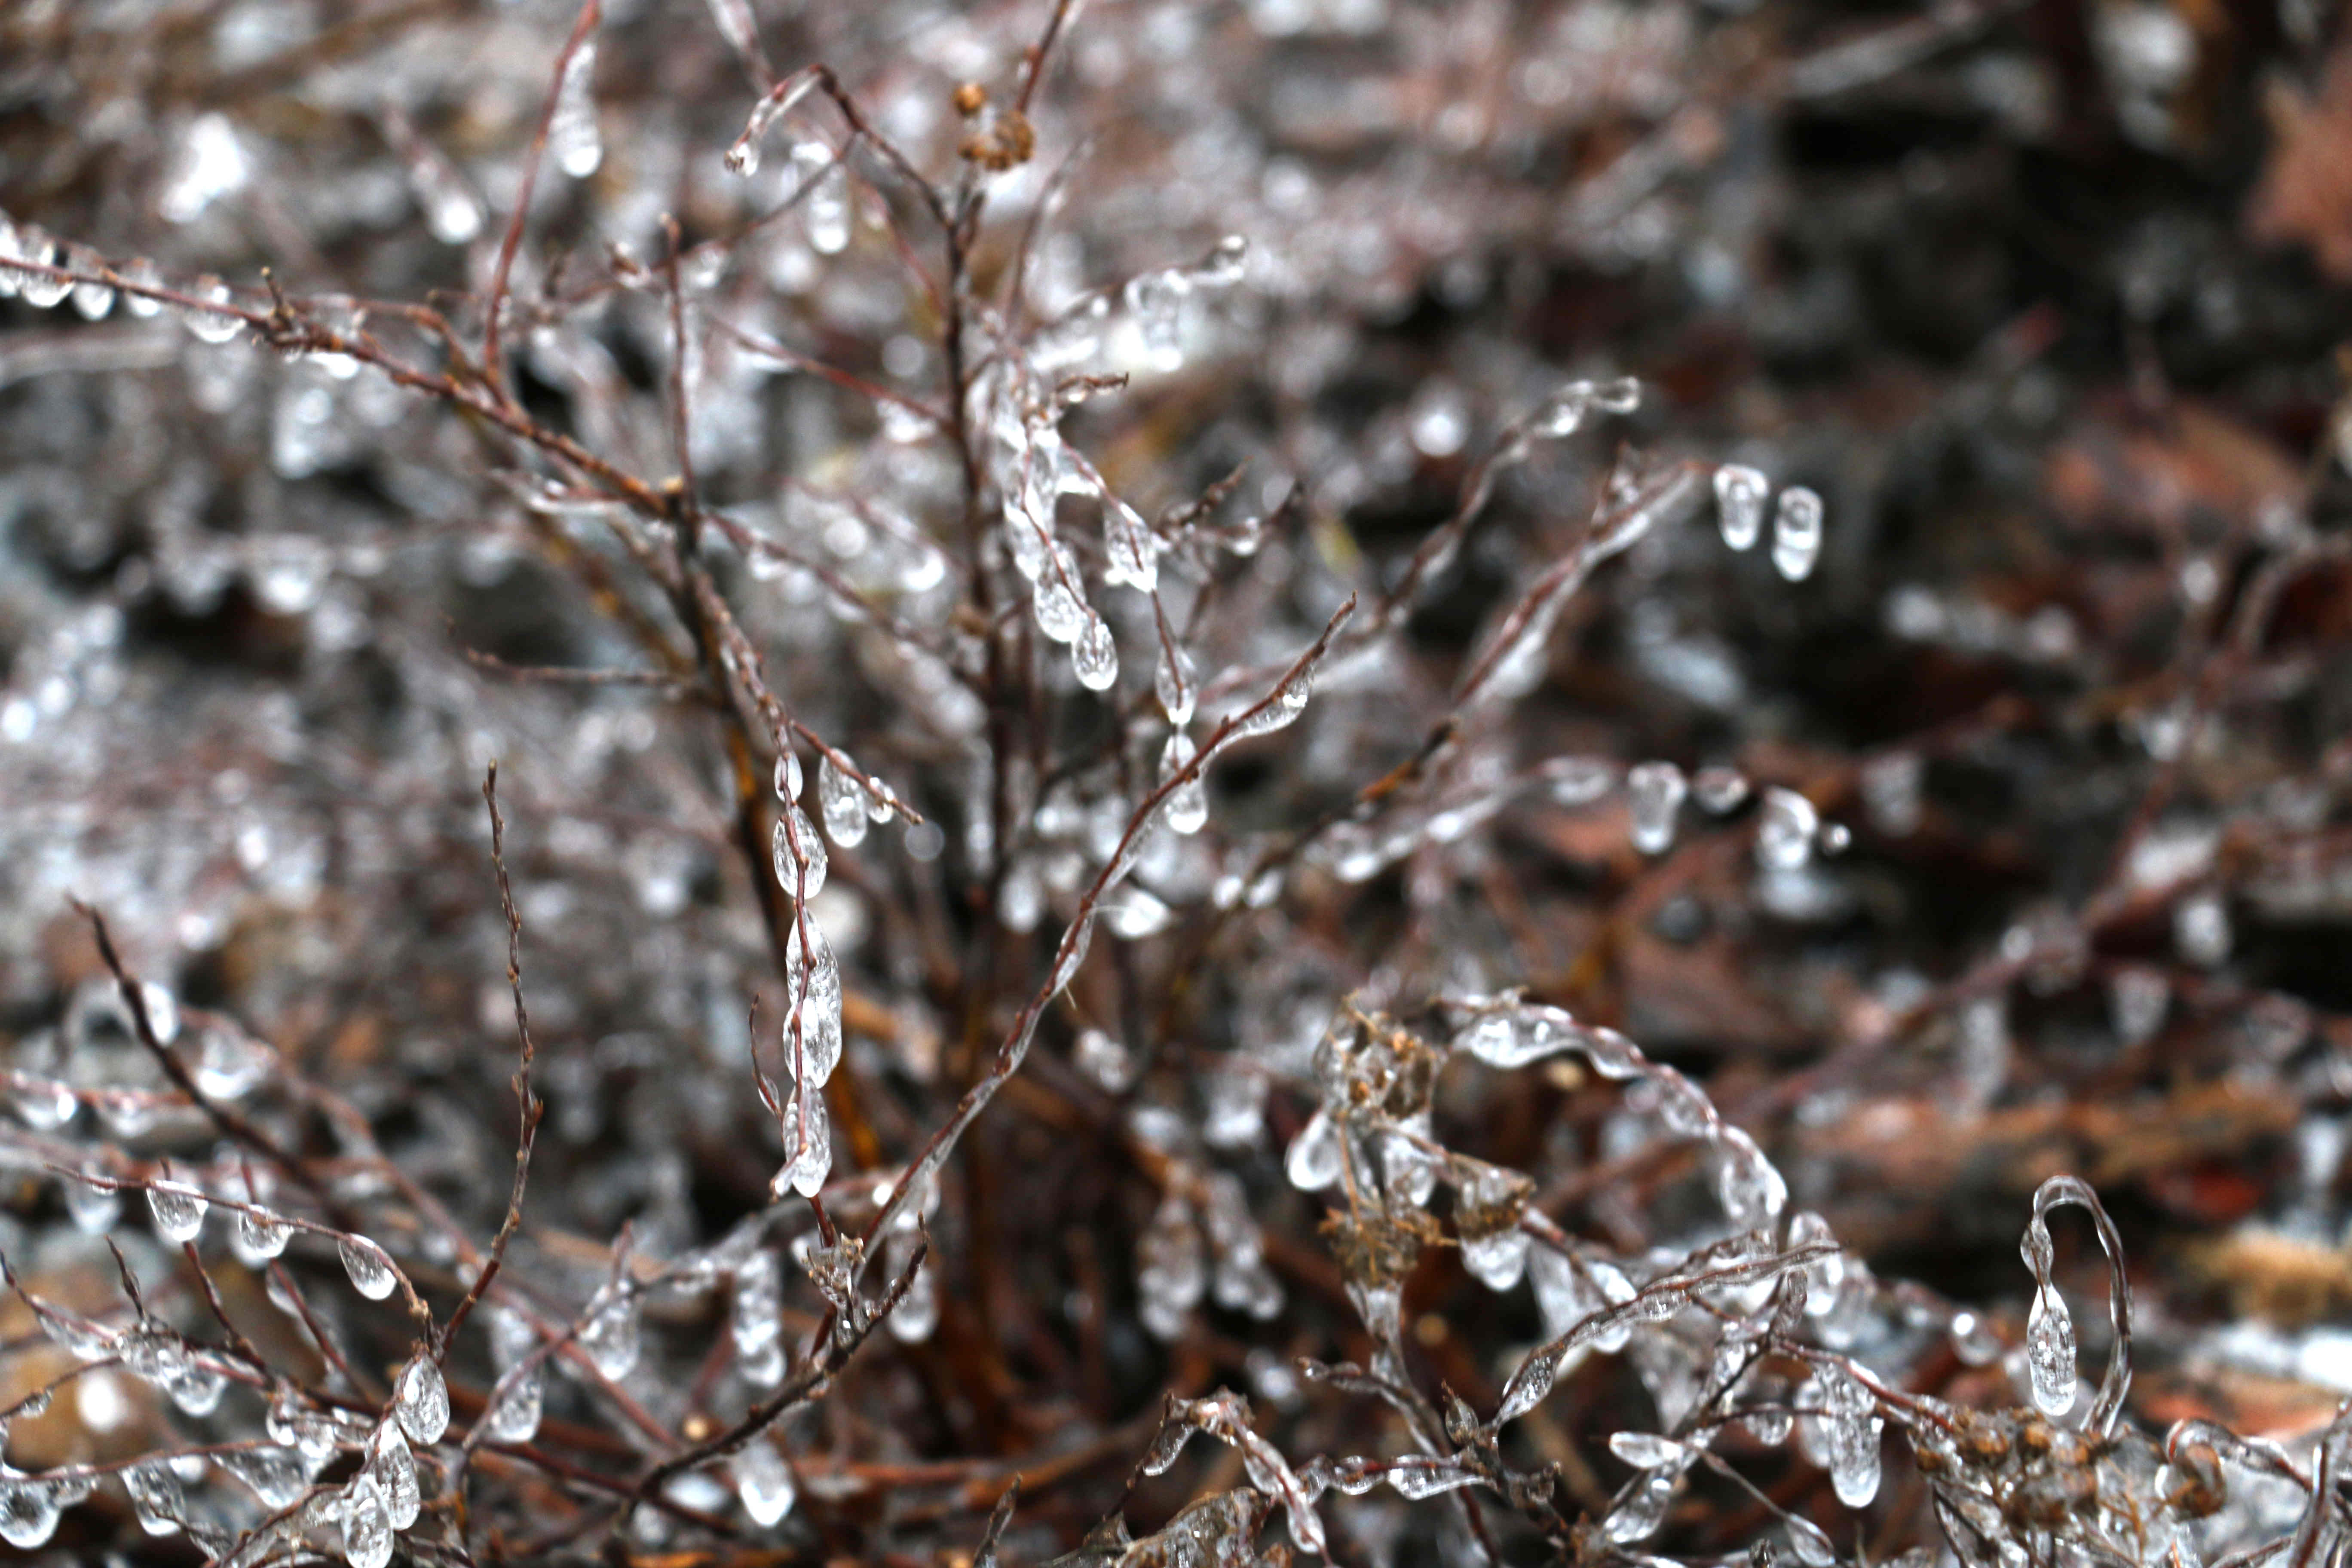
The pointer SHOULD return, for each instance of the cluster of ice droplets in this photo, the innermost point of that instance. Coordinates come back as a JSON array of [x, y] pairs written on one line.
[[1740, 504], [812, 1034]]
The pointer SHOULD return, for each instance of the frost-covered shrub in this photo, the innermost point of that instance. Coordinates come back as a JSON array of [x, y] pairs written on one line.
[[1097, 737]]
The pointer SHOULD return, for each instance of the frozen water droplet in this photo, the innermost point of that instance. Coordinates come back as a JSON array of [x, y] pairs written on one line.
[[371, 1271], [39, 288], [178, 1210], [572, 135], [1128, 547], [825, 211], [611, 1335], [764, 1482], [1105, 1060], [420, 1401], [1785, 830], [842, 798], [2200, 928], [93, 1209], [1719, 789], [212, 325], [258, 1236], [1156, 300], [393, 1470], [367, 1527], [788, 776], [1644, 1450], [1224, 265], [1796, 533], [1807, 1544], [1653, 794], [1642, 1508], [1062, 613], [1095, 655], [2136, 1000], [1289, 701], [1187, 807], [1174, 684], [28, 1511], [1739, 494], [229, 1065], [800, 858], [155, 1496], [2050, 1351], [91, 299], [1313, 1162]]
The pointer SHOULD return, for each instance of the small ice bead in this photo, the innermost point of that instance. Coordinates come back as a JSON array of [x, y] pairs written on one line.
[[1796, 533], [178, 1210], [1095, 655], [369, 1269], [842, 798], [788, 776], [420, 1401], [1739, 494], [795, 842], [1653, 794]]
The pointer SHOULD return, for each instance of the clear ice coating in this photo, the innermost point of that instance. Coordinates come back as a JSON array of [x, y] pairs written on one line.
[[1739, 494], [1796, 533]]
